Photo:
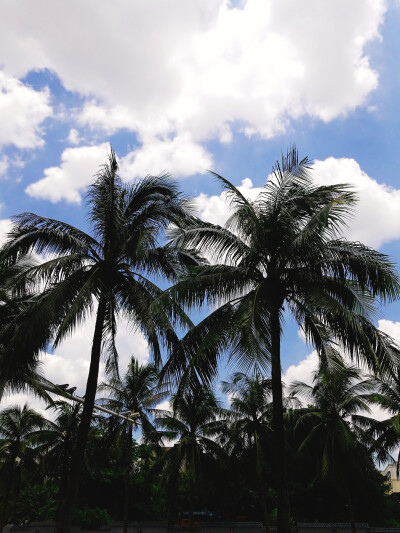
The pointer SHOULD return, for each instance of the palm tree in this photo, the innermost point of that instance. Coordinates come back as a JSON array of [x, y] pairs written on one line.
[[250, 430], [195, 421], [19, 428], [136, 393], [281, 253], [13, 305], [57, 440], [108, 272], [385, 434], [337, 396]]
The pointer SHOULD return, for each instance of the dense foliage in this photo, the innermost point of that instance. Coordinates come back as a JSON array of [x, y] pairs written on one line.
[[269, 457], [221, 461]]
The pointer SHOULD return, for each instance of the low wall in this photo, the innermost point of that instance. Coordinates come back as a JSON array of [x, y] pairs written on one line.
[[223, 527]]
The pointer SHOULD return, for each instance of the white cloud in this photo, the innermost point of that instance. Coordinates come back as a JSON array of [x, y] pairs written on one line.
[[216, 209], [180, 157], [76, 171], [5, 228], [73, 136], [375, 219], [196, 68], [70, 361], [303, 371], [22, 111], [4, 164]]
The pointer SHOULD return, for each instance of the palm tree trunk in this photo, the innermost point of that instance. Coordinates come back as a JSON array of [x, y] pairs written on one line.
[[277, 424], [7, 492], [349, 502], [261, 482], [264, 501], [191, 503], [66, 508], [128, 460]]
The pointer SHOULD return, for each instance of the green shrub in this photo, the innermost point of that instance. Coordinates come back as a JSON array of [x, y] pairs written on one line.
[[91, 517]]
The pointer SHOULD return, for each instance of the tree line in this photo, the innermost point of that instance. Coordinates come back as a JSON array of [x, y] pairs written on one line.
[[283, 253]]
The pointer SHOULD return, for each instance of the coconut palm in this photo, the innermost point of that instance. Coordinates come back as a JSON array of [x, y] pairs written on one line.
[[335, 400], [19, 427], [108, 272], [13, 305], [135, 394], [250, 429], [282, 252], [385, 434], [195, 420]]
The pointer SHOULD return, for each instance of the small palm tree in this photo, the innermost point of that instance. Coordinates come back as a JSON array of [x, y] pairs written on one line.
[[109, 272], [336, 398], [19, 429], [195, 421], [135, 395], [251, 420], [282, 253], [385, 434], [13, 305]]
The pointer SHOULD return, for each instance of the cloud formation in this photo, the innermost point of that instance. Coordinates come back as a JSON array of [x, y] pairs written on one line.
[[70, 179], [199, 68], [375, 219], [22, 112]]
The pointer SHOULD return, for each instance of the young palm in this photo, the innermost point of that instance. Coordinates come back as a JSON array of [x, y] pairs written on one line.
[[282, 253], [13, 306], [386, 433], [195, 421], [336, 398], [19, 427], [135, 395], [251, 418], [109, 272]]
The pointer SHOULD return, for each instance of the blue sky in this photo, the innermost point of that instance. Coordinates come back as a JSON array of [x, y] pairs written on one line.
[[183, 87]]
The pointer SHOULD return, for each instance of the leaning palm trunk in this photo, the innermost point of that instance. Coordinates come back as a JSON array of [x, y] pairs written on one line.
[[67, 506]]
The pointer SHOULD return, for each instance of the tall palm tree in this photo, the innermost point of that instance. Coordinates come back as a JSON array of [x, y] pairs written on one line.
[[19, 428], [108, 272], [283, 252], [337, 397], [250, 430], [136, 393], [195, 421]]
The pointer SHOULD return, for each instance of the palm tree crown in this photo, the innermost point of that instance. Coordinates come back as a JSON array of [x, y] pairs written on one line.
[[111, 270], [282, 252]]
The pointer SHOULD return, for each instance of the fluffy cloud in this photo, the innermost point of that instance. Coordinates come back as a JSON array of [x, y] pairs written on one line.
[[180, 157], [5, 228], [199, 67], [216, 209], [76, 171], [70, 361], [22, 111], [303, 371], [375, 219]]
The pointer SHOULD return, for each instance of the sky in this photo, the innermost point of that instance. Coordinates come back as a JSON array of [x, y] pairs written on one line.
[[186, 87]]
